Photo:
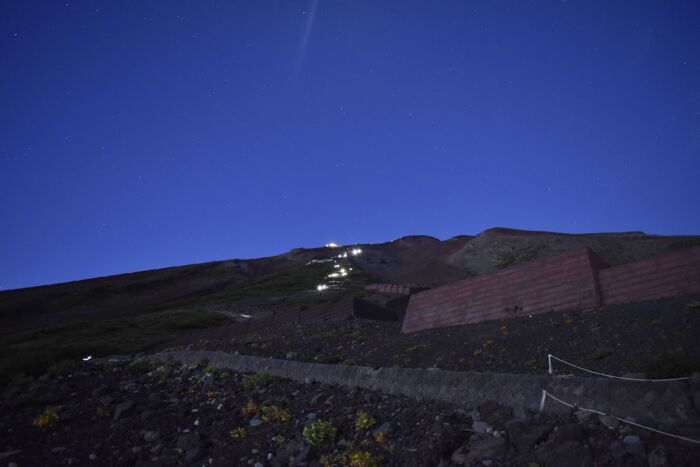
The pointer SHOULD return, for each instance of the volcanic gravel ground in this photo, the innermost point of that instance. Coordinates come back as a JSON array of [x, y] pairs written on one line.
[[652, 337]]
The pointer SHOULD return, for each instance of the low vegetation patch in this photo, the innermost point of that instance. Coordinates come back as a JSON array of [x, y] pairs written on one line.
[[674, 363], [249, 409], [362, 459], [324, 336], [274, 414], [258, 380], [34, 352], [47, 418], [415, 348], [237, 433], [363, 421], [319, 433]]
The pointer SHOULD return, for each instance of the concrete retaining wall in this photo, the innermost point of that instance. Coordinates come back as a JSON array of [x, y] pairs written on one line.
[[659, 404]]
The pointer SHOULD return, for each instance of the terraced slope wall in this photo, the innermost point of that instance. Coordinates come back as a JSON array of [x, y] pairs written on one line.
[[668, 275], [561, 281]]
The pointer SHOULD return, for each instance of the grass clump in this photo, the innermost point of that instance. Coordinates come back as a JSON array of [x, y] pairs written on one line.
[[237, 433], [47, 418], [381, 438], [319, 433], [249, 409], [274, 414], [258, 381], [362, 459], [363, 421]]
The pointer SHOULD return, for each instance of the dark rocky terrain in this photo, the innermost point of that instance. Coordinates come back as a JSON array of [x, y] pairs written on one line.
[[58, 410], [659, 338], [122, 411]]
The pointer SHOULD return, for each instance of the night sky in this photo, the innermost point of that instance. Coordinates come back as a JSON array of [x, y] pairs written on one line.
[[144, 134]]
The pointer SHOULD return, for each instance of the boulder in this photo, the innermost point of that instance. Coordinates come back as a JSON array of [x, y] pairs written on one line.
[[523, 435], [489, 448]]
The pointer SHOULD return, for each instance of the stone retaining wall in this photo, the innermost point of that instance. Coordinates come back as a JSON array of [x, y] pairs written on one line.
[[660, 404]]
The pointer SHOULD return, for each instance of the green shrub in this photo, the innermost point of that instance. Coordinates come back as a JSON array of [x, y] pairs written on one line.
[[319, 433], [363, 421]]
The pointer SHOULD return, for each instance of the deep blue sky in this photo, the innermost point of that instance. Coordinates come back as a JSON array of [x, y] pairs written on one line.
[[138, 134]]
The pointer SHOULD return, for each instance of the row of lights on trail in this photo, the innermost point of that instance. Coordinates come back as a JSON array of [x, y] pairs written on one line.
[[354, 251], [342, 272]]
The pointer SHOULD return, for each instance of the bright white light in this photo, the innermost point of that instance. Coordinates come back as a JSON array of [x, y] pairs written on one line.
[[245, 316], [88, 358], [334, 274], [356, 251], [345, 255], [321, 287], [332, 245], [342, 270], [336, 265]]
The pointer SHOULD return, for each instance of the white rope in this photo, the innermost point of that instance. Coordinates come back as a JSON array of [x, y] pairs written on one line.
[[545, 394], [551, 372]]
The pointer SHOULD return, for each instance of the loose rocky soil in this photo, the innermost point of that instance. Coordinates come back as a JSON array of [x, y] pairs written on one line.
[[134, 412], [660, 338]]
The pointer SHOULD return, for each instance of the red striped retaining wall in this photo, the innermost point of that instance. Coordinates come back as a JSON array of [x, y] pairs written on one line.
[[668, 275], [391, 289], [569, 280]]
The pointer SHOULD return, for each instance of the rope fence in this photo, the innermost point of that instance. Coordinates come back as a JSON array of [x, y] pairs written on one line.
[[551, 372], [546, 394]]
